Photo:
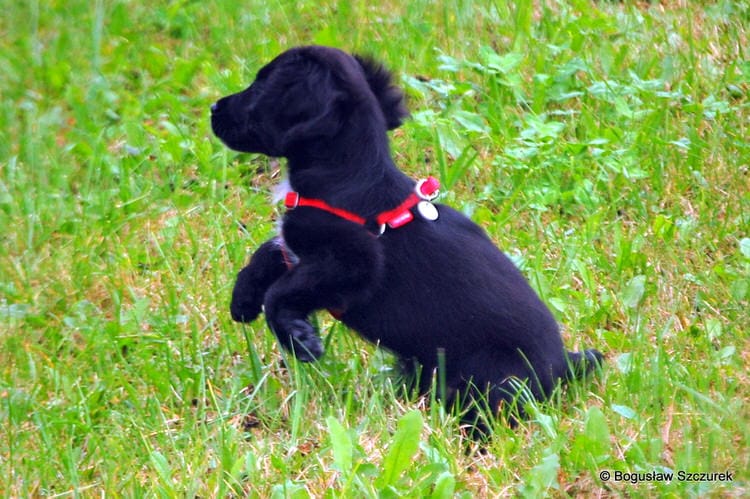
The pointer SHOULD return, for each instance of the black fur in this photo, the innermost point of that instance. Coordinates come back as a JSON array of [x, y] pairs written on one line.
[[436, 293]]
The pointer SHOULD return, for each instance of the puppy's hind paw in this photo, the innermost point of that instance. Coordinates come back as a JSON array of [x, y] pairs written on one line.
[[584, 363], [303, 341]]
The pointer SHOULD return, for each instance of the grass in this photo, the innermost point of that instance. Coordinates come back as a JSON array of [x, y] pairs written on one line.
[[603, 145]]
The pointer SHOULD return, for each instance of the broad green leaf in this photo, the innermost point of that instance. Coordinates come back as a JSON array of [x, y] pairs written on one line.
[[289, 490], [341, 443], [592, 446], [450, 140], [714, 328], [623, 411], [470, 121], [161, 465], [499, 63], [445, 485], [542, 477], [745, 246], [596, 433], [558, 304], [634, 291], [624, 362], [402, 449]]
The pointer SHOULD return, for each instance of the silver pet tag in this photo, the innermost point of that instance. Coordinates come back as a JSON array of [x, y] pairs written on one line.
[[427, 210]]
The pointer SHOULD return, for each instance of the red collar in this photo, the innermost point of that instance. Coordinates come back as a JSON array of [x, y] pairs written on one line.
[[425, 190]]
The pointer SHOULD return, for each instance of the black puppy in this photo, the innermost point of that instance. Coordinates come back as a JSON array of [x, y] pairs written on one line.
[[421, 280]]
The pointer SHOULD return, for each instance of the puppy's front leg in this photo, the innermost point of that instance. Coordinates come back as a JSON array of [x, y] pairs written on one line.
[[332, 283], [266, 266]]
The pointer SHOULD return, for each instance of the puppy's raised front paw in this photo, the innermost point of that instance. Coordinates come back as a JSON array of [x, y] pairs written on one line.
[[244, 310], [302, 340]]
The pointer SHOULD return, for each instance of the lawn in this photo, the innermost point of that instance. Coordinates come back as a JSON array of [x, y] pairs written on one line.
[[603, 145]]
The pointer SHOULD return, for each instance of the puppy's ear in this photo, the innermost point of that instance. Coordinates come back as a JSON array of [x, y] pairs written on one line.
[[310, 107], [390, 97]]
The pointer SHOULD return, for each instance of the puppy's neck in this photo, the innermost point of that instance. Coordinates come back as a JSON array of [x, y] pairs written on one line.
[[353, 170], [365, 189]]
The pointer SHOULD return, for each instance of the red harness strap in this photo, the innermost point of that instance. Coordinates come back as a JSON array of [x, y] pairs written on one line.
[[399, 216]]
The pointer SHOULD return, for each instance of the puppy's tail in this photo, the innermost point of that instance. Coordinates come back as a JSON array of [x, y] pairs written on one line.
[[580, 364]]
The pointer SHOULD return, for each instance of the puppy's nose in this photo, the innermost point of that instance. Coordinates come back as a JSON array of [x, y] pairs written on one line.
[[214, 106]]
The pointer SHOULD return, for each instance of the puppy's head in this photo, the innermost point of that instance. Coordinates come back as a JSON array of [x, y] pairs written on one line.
[[307, 94]]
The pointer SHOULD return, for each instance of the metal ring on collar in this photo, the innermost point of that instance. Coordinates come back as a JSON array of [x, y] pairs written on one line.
[[422, 195]]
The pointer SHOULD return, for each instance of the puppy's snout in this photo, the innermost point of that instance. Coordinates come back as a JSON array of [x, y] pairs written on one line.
[[214, 107]]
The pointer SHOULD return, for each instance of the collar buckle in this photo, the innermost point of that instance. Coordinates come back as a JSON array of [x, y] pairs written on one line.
[[291, 200]]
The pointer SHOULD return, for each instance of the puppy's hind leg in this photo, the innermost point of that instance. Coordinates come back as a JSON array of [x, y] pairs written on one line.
[[580, 364], [494, 387], [266, 266], [482, 405]]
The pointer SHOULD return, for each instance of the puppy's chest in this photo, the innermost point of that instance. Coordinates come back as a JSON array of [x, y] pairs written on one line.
[[279, 192], [281, 189], [290, 259]]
